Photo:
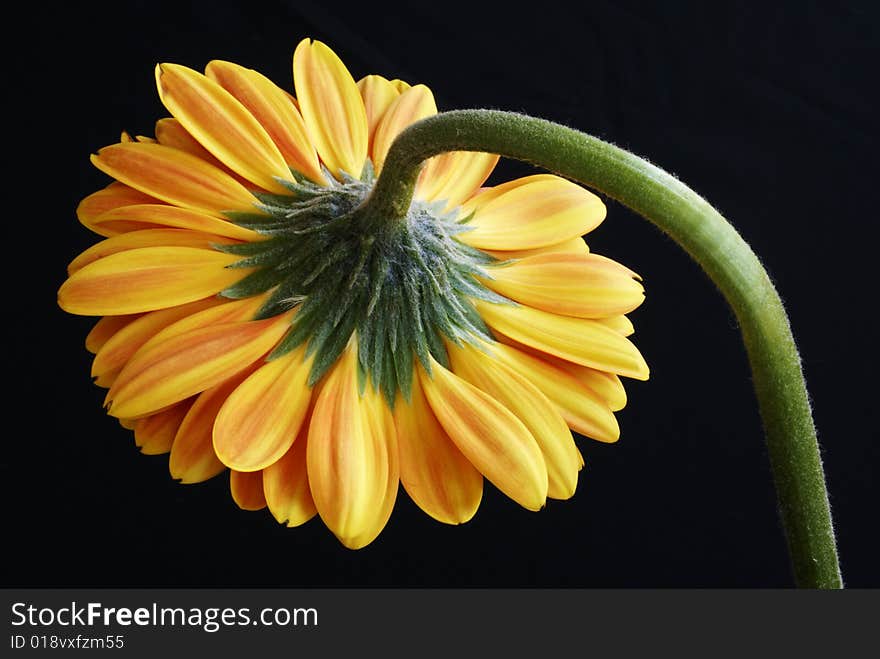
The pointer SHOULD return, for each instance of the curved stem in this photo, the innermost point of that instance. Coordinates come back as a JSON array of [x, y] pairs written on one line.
[[710, 240]]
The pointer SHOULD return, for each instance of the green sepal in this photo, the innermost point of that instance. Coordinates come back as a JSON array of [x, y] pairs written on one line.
[[242, 249], [468, 286], [271, 256], [388, 380], [272, 200], [242, 218], [331, 348], [280, 300], [253, 284], [362, 380], [403, 371], [295, 336]]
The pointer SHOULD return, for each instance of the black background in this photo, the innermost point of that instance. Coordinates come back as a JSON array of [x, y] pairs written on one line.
[[763, 108]]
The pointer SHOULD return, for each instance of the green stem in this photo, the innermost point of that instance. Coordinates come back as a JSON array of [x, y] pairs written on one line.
[[710, 240]]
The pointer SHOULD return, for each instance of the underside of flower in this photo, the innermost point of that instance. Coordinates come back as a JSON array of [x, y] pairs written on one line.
[[403, 286], [259, 316]]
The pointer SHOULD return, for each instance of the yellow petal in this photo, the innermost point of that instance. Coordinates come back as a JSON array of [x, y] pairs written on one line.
[[175, 177], [382, 428], [584, 286], [531, 212], [104, 330], [582, 408], [192, 458], [377, 93], [331, 107], [607, 386], [247, 489], [286, 485], [411, 106], [155, 434], [348, 461], [570, 246], [149, 216], [113, 196], [435, 474], [620, 324], [262, 417], [146, 279], [166, 372], [222, 125], [117, 350], [530, 406], [145, 238], [454, 176], [272, 108], [400, 85], [489, 435], [170, 132], [582, 341]]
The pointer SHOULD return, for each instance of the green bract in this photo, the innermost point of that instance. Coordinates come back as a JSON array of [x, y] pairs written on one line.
[[403, 286]]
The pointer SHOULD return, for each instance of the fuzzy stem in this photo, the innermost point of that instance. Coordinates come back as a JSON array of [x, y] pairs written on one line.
[[710, 240]]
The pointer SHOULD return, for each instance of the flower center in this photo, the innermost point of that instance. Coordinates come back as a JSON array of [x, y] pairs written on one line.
[[403, 287]]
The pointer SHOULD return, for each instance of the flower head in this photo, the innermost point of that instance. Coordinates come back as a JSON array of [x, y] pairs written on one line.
[[255, 319]]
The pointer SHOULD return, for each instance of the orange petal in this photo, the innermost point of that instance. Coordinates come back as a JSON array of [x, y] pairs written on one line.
[[607, 386], [225, 311], [583, 409], [222, 125], [155, 434], [531, 212], [585, 342], [150, 216], [583, 285], [106, 380], [489, 435], [192, 458], [331, 107], [247, 489], [113, 196], [286, 485], [175, 177], [377, 93], [348, 458], [454, 176], [145, 238], [435, 474], [117, 350], [261, 418], [411, 106], [104, 330], [146, 279], [272, 108], [170, 132], [165, 372], [530, 406]]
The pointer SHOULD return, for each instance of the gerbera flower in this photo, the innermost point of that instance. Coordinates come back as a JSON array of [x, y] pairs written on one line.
[[256, 321]]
